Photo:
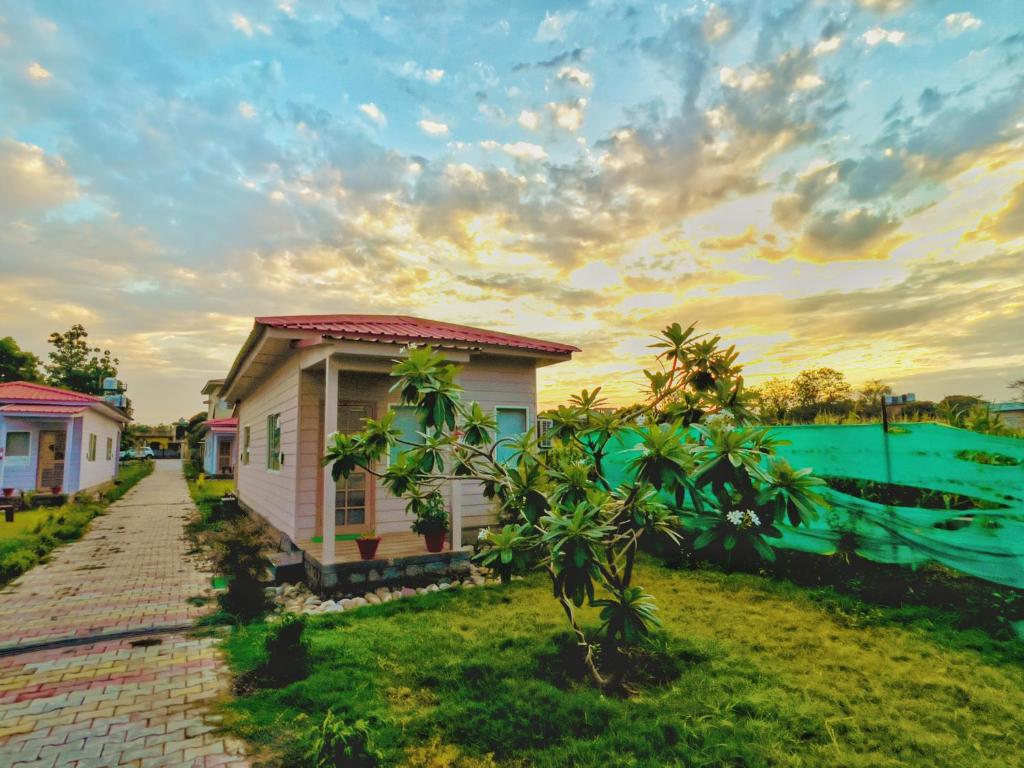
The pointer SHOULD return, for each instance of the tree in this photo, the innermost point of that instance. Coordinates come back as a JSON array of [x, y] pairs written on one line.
[[870, 397], [1019, 386], [75, 365], [774, 399], [17, 364], [693, 467], [820, 386]]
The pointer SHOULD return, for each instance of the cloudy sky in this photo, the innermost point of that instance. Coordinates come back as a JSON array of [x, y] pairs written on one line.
[[822, 183]]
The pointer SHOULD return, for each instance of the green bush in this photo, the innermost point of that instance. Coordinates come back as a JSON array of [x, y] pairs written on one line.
[[338, 744], [239, 553], [13, 564]]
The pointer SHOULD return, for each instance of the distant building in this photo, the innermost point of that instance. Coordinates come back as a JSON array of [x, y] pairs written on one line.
[[1012, 414], [216, 406], [221, 430], [909, 397]]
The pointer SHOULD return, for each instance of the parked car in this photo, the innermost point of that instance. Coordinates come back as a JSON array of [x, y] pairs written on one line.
[[146, 453], [128, 453]]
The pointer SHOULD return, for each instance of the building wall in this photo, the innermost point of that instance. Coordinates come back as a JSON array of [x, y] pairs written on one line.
[[271, 493], [101, 470]]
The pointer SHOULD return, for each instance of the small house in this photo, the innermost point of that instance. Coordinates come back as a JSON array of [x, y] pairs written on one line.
[[220, 432], [297, 379], [1011, 414], [57, 440]]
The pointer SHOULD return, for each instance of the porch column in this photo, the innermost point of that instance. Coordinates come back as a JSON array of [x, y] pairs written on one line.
[[69, 437], [456, 536], [330, 426]]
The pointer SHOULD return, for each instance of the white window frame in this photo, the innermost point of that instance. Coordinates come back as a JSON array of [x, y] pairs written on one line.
[[392, 407], [17, 459]]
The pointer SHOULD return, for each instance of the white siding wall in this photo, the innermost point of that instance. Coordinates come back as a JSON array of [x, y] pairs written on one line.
[[93, 473], [288, 498], [271, 493]]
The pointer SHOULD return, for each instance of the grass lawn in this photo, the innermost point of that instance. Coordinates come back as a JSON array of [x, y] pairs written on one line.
[[24, 521], [206, 494], [766, 673]]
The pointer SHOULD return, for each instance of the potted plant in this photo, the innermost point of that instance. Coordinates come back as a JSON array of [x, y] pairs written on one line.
[[8, 492], [431, 520], [55, 490], [368, 543]]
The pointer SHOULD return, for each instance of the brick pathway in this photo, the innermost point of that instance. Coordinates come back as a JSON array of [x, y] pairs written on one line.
[[81, 693]]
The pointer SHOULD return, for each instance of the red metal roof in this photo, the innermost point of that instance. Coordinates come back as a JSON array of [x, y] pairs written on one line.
[[406, 329], [26, 391], [42, 410], [225, 423]]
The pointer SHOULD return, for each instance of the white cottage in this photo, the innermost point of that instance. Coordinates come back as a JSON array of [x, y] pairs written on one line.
[[297, 379], [56, 440]]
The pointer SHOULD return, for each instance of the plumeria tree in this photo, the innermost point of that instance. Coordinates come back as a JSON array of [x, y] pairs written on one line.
[[682, 462]]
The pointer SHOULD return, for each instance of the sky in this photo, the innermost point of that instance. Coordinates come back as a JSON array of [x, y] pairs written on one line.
[[820, 183]]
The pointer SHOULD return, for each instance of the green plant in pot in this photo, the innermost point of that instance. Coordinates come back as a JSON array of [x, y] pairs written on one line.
[[431, 519], [368, 543]]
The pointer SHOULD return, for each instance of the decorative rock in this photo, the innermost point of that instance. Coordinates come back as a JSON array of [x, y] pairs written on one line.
[[358, 602], [431, 588], [348, 603], [408, 592], [396, 595], [381, 592], [467, 583], [412, 571], [421, 591], [329, 605], [444, 585], [371, 598], [312, 600]]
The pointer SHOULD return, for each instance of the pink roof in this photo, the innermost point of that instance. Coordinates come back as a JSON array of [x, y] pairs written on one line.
[[226, 423], [26, 391], [43, 410], [406, 329]]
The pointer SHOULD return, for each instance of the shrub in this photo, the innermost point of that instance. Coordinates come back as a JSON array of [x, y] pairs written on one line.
[[287, 651], [239, 553], [13, 564], [338, 744]]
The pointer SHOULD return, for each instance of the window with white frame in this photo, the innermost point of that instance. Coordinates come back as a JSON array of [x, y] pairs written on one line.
[[18, 447], [274, 441], [512, 422]]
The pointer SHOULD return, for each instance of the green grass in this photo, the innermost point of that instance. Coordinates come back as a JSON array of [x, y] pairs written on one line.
[[765, 673], [206, 494], [40, 531], [24, 522]]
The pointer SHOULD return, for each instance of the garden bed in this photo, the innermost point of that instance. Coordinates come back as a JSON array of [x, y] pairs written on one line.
[[757, 672]]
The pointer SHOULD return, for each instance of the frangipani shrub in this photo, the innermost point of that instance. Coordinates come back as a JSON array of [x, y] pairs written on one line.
[[681, 460]]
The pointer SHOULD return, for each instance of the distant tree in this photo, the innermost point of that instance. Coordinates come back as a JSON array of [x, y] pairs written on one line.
[[17, 364], [77, 366], [1019, 386], [873, 390], [820, 386], [953, 409], [774, 399]]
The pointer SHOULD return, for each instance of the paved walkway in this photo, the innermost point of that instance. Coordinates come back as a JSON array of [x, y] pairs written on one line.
[[95, 665]]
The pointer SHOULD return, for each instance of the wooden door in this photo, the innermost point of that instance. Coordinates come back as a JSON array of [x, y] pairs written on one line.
[[353, 496], [52, 445]]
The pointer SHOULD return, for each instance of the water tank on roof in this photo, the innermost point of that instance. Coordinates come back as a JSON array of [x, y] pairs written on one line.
[[110, 384]]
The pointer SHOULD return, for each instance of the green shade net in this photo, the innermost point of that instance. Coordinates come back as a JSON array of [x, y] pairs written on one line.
[[986, 543]]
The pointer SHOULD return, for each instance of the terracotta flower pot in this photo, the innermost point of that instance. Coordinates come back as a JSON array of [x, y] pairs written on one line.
[[435, 541], [368, 547], [56, 489], [8, 492]]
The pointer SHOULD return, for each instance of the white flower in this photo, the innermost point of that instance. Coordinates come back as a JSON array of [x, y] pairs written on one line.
[[483, 533], [754, 519], [735, 517], [743, 518]]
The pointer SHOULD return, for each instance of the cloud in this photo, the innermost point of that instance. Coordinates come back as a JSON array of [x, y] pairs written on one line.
[[414, 71], [524, 150], [731, 243], [828, 45], [808, 81], [1005, 224], [576, 75], [965, 21], [553, 27], [36, 71], [433, 127], [930, 101], [853, 234], [569, 115], [528, 120], [246, 110], [246, 27], [373, 112], [33, 180], [879, 35]]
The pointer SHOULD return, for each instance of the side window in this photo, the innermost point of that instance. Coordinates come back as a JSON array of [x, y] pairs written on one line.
[[245, 444], [91, 455], [408, 422], [18, 448], [274, 441], [110, 448], [512, 423]]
